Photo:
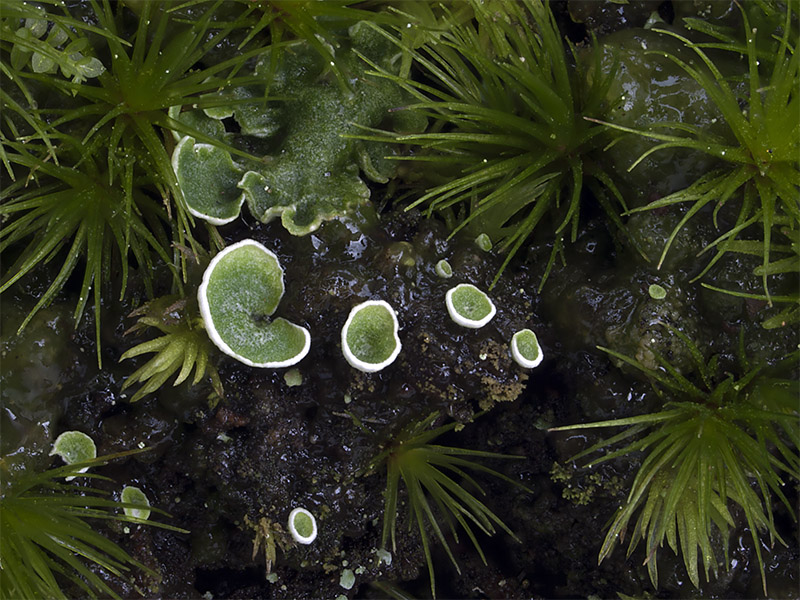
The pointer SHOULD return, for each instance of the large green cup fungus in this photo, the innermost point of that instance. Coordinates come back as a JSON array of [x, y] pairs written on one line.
[[241, 289], [468, 306], [369, 336]]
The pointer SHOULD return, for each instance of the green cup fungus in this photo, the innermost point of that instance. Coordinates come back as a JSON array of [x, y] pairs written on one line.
[[468, 306], [302, 526], [134, 495], [74, 447], [525, 349], [443, 269], [369, 336], [208, 180], [657, 292], [241, 289]]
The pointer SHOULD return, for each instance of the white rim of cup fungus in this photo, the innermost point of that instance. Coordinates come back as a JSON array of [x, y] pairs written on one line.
[[299, 537], [459, 318], [211, 330], [349, 355]]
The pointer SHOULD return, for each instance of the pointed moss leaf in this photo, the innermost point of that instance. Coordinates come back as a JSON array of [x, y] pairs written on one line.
[[468, 306], [369, 337], [525, 349], [207, 178], [241, 289], [134, 495]]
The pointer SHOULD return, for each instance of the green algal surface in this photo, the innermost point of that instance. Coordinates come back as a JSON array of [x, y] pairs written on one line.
[[303, 524], [527, 344]]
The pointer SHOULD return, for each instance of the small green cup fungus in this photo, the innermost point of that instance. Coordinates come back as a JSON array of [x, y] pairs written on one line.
[[134, 495], [293, 377], [443, 269], [347, 579], [525, 349], [241, 289], [468, 306], [302, 526], [370, 341], [484, 242], [74, 447], [657, 292]]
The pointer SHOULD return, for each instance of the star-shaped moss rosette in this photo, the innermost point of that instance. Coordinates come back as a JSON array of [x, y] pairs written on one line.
[[306, 126], [369, 337], [241, 289]]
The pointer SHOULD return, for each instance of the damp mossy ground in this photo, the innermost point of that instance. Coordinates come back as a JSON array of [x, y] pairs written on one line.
[[230, 471]]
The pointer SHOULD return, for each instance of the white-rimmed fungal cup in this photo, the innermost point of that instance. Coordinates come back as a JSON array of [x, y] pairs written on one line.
[[525, 349], [468, 306], [241, 289], [74, 447], [134, 495], [443, 269], [302, 526], [370, 340], [208, 180]]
